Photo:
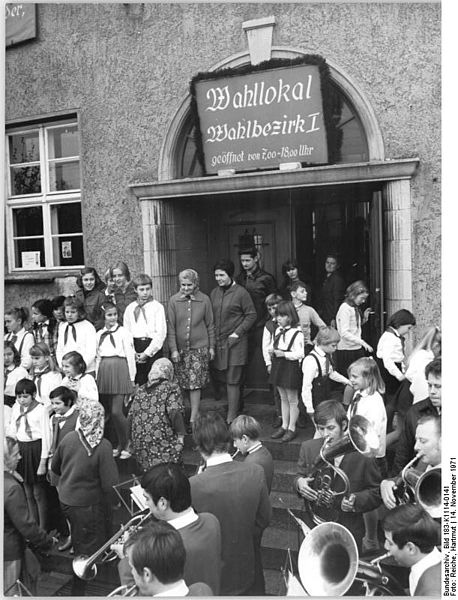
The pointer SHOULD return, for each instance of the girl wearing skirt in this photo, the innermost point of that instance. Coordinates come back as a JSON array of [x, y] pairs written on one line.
[[29, 424], [287, 352], [116, 370]]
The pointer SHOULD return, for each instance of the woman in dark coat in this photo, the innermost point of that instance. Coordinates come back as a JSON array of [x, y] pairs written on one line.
[[91, 294], [234, 314], [19, 525]]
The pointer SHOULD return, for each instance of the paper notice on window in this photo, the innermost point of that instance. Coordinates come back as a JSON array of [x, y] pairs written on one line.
[[30, 260], [66, 250]]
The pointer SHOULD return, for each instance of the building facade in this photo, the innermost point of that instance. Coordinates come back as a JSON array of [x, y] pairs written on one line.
[[102, 166]]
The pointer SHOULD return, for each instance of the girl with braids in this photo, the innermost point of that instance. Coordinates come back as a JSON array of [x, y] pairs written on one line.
[[44, 323]]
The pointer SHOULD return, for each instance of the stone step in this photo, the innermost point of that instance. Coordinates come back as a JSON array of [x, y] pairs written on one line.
[[281, 502], [275, 545]]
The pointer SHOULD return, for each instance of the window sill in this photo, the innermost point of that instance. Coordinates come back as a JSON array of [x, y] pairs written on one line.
[[39, 276]]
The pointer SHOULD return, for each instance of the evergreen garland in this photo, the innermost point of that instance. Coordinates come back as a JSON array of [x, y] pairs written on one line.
[[332, 100]]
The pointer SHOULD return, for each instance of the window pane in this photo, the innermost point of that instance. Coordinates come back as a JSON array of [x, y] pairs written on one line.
[[27, 221], [63, 141], [66, 218], [24, 147], [24, 257], [25, 180], [64, 176], [68, 251]]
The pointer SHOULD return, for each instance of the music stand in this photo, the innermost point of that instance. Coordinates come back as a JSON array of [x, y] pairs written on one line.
[[21, 589], [119, 487]]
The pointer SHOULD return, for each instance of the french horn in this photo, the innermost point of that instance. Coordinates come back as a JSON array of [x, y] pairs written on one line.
[[360, 437]]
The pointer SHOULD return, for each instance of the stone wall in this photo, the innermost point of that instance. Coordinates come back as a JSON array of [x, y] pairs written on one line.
[[126, 67]]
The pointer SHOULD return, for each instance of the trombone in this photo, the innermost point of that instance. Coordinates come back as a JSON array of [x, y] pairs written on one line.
[[85, 567]]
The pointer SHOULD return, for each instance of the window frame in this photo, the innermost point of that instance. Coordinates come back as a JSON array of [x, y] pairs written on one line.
[[46, 198]]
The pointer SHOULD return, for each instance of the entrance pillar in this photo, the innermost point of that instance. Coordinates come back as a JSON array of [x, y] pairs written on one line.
[[159, 244], [398, 246]]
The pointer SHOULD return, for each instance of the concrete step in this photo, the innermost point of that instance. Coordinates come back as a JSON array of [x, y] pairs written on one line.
[[275, 544], [280, 502]]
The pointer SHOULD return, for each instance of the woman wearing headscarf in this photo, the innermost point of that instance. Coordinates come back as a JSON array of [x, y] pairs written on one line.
[[87, 472], [191, 337], [156, 418], [20, 527]]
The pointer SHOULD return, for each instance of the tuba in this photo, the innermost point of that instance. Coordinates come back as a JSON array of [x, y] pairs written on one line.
[[425, 487], [329, 564], [361, 437], [85, 567]]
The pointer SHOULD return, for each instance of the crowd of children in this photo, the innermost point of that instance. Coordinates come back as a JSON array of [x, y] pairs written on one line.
[[104, 346]]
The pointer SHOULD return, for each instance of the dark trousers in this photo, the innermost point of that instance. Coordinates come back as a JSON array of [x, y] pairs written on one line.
[[56, 519], [259, 585], [140, 345]]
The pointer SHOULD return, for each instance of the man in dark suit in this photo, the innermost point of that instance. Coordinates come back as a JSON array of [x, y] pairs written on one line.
[[363, 475], [168, 496], [332, 291], [236, 493], [430, 406], [157, 556], [411, 536], [245, 432]]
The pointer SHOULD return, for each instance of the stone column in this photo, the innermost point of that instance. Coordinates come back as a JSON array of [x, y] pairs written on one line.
[[397, 247], [159, 241]]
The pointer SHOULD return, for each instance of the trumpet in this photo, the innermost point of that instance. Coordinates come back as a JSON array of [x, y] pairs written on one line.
[[360, 437], [425, 488], [85, 567]]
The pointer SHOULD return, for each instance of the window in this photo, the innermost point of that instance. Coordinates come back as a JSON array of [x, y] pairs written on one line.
[[44, 197]]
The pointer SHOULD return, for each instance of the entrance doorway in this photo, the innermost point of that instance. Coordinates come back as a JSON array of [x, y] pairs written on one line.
[[302, 223]]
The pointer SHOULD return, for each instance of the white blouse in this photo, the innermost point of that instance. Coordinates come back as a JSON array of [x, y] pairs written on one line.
[[39, 427], [297, 349], [416, 374], [24, 341], [45, 385], [85, 344], [390, 350], [13, 376], [83, 385], [349, 328], [123, 348]]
